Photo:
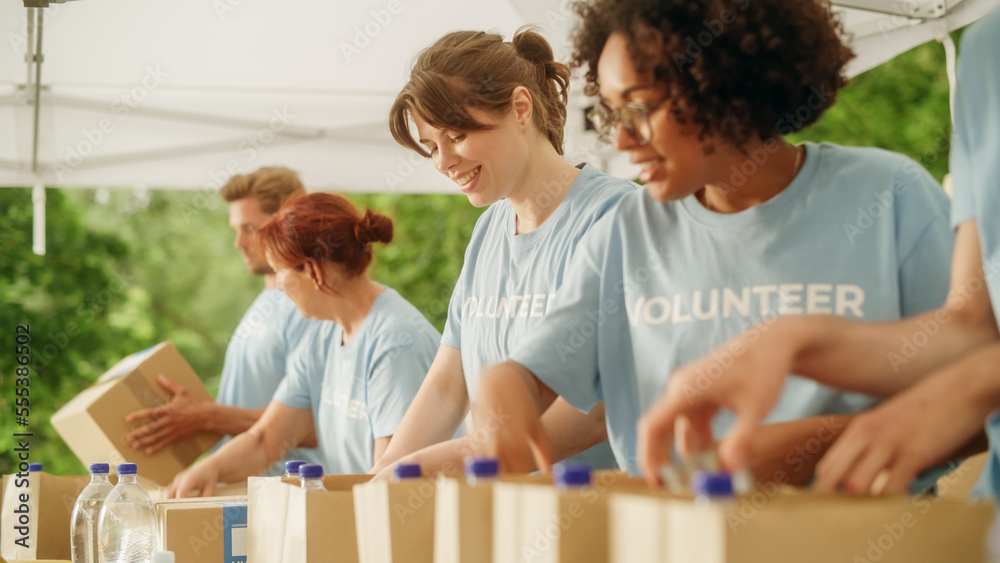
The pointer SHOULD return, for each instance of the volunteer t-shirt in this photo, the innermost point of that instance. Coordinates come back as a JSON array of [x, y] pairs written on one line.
[[975, 174], [256, 359], [359, 391], [509, 280], [860, 233]]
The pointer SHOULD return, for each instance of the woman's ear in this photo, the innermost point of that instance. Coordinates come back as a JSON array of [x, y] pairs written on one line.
[[310, 267], [522, 105]]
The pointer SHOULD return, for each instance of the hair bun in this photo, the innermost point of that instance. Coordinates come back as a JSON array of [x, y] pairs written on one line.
[[373, 227]]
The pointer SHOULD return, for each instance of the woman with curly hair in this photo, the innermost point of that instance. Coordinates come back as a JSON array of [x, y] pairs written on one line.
[[736, 226]]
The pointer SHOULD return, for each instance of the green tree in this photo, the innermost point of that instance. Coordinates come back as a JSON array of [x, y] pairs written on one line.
[[71, 298]]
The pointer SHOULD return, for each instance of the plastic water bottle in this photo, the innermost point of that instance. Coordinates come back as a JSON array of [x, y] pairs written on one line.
[[33, 467], [292, 467], [406, 471], [312, 477], [163, 557], [711, 486], [481, 469], [127, 528], [86, 512], [570, 476]]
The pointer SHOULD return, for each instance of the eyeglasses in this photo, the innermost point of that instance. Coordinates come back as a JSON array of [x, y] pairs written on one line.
[[634, 118]]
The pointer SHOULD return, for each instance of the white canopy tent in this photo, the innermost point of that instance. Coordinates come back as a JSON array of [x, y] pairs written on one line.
[[181, 95]]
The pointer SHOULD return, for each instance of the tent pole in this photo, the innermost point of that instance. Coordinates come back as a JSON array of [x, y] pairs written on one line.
[[38, 89], [38, 216]]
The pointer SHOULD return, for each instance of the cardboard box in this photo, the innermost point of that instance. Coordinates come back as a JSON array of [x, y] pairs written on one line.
[[288, 523], [395, 521], [37, 511], [210, 530], [782, 525], [539, 523], [93, 423], [221, 490]]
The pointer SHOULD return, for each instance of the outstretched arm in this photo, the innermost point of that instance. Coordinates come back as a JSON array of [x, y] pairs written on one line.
[[279, 429]]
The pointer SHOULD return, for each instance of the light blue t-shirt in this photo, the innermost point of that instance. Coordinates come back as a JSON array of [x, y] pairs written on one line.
[[257, 356], [975, 174], [860, 233], [360, 391], [508, 280]]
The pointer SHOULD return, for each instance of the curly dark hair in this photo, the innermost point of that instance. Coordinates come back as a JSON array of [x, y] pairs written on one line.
[[737, 68]]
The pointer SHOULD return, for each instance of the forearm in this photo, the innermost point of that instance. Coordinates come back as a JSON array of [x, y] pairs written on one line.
[[879, 359], [786, 453], [434, 416], [571, 431], [229, 420], [245, 455]]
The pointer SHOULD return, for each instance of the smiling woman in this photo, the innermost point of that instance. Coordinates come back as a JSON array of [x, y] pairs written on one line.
[[490, 114], [736, 225]]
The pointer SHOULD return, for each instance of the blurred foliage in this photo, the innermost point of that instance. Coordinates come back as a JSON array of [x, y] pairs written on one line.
[[132, 268], [69, 298], [901, 106]]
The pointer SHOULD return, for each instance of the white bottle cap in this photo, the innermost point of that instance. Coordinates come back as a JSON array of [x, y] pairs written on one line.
[[162, 557]]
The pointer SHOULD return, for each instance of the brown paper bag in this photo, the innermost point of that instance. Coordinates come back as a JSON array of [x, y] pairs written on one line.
[[267, 506], [463, 518], [784, 525], [35, 522], [534, 522], [287, 523], [395, 521]]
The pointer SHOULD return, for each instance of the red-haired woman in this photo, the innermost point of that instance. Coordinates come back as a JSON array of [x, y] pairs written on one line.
[[354, 383]]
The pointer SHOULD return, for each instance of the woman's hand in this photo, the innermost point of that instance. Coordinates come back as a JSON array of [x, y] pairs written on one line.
[[200, 477], [746, 375], [883, 450]]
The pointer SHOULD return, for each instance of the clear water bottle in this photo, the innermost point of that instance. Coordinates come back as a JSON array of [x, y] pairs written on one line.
[[406, 471], [570, 476], [292, 467], [127, 527], [312, 477], [33, 467], [481, 469], [86, 512]]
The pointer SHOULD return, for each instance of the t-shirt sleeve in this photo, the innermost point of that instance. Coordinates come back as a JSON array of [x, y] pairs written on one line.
[[395, 375], [925, 241], [562, 349], [452, 335], [963, 206], [294, 389]]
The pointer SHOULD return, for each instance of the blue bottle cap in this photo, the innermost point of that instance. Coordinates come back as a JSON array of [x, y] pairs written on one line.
[[34, 467], [292, 467], [126, 469], [407, 471], [99, 468], [711, 484], [572, 474], [310, 471], [482, 466]]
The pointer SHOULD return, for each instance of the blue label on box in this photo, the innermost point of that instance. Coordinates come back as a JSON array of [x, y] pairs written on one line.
[[234, 518]]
